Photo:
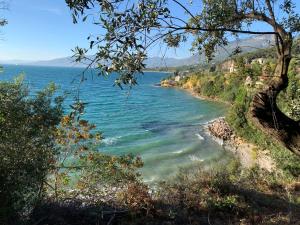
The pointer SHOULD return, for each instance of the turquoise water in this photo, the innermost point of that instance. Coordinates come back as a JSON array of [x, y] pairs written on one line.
[[163, 126]]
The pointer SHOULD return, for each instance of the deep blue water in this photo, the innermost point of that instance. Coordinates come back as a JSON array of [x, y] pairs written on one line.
[[164, 126]]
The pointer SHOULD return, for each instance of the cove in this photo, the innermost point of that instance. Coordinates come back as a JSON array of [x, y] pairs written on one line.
[[164, 126]]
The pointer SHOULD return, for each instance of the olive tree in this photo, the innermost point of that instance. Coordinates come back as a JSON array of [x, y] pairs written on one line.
[[129, 28]]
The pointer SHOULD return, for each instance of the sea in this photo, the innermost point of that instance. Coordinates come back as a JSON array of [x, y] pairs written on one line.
[[165, 126]]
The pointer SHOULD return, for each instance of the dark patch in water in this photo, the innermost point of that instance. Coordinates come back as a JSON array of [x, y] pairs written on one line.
[[163, 127]]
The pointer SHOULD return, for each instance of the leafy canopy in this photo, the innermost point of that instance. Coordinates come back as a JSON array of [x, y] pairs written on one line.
[[130, 28]]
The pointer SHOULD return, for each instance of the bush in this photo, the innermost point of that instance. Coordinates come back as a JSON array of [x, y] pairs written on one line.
[[228, 194], [236, 116], [208, 88], [80, 169], [47, 156], [27, 126]]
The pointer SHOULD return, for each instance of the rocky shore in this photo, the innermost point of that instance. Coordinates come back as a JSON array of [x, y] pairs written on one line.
[[168, 83], [248, 154]]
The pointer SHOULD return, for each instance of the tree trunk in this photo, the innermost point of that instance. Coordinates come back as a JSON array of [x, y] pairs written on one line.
[[264, 111]]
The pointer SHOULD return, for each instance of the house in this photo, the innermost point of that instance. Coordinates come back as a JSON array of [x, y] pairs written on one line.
[[178, 78], [260, 61], [228, 66], [181, 75]]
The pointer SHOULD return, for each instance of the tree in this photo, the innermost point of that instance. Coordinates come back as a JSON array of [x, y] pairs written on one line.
[[27, 133], [130, 28]]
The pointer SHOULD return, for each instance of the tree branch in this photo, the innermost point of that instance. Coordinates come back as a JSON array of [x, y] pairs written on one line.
[[271, 11], [182, 6], [222, 29], [278, 29]]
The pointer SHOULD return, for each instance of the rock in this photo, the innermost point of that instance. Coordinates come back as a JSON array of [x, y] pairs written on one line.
[[247, 153], [220, 129], [168, 83]]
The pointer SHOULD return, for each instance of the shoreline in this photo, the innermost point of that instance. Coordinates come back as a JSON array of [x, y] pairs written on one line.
[[155, 71], [195, 94], [247, 153], [202, 97]]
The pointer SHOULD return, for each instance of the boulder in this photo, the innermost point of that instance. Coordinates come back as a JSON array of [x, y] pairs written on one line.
[[168, 83], [220, 129]]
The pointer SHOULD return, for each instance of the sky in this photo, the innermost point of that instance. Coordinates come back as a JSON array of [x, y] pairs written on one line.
[[43, 29]]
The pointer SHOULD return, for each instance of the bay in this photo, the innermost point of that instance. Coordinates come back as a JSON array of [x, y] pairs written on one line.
[[162, 125]]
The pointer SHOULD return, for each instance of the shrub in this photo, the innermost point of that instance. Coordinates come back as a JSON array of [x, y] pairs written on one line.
[[47, 156], [80, 169], [27, 126], [208, 88], [228, 194]]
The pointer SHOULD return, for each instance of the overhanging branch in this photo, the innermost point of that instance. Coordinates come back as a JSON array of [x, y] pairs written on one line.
[[224, 29]]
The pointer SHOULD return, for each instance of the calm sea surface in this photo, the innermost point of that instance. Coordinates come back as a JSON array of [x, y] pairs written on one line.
[[163, 126]]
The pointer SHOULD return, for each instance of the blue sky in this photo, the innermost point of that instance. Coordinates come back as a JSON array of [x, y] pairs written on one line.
[[43, 29]]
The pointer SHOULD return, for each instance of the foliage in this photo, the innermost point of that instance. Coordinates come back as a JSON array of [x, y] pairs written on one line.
[[45, 155], [27, 129], [137, 198], [224, 194], [237, 117], [269, 53], [289, 100], [133, 27], [215, 85], [81, 169], [231, 88]]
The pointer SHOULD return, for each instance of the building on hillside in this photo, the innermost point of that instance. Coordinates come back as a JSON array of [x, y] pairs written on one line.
[[227, 66], [178, 78], [181, 75], [260, 61]]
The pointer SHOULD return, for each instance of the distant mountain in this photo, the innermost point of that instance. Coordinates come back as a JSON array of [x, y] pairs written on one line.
[[14, 62], [59, 62], [247, 45]]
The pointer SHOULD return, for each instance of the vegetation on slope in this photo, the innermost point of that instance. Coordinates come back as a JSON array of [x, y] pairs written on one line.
[[54, 175], [39, 176], [47, 155], [221, 195], [238, 88]]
